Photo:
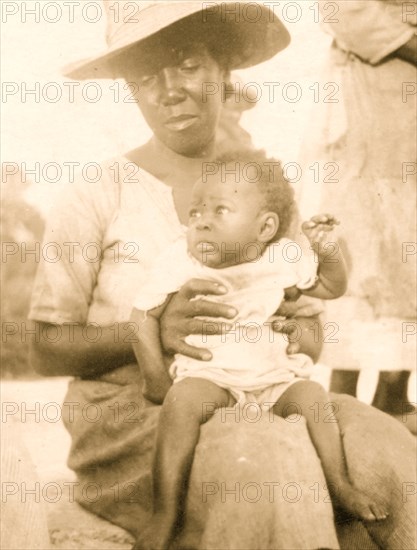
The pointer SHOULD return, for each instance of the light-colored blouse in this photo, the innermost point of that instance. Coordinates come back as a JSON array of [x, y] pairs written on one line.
[[100, 242]]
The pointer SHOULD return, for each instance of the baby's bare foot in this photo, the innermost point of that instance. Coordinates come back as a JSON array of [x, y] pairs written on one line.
[[360, 505], [157, 535]]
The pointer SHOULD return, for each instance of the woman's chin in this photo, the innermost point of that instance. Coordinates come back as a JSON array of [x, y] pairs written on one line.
[[193, 150], [188, 144]]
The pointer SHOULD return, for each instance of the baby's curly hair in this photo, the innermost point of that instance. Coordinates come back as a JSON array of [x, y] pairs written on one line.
[[274, 187]]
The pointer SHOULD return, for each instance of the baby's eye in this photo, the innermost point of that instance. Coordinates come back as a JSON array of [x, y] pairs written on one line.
[[222, 210], [194, 214]]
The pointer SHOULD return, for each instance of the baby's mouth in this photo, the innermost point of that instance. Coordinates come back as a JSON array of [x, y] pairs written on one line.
[[206, 247]]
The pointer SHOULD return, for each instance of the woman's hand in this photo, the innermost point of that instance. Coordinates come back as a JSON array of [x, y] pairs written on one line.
[[304, 335], [180, 318]]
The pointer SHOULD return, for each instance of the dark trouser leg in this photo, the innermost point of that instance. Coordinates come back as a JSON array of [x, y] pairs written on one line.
[[391, 394], [344, 381]]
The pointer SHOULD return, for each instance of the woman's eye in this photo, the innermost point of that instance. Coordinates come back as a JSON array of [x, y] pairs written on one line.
[[190, 67], [222, 210], [194, 214], [147, 80]]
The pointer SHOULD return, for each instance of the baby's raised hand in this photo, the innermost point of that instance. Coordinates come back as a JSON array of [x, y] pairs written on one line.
[[318, 229]]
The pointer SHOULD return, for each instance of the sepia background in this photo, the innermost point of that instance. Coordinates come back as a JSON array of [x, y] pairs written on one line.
[[39, 128], [37, 131]]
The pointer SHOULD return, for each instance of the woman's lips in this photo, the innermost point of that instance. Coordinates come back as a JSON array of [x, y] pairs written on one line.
[[179, 123]]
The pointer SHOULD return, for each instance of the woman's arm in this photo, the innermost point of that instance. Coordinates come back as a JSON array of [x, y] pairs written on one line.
[[63, 290], [72, 354]]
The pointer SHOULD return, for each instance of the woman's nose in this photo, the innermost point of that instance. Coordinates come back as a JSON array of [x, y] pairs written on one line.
[[171, 86]]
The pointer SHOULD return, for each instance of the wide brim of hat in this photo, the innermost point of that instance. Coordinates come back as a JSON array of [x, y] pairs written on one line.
[[263, 38]]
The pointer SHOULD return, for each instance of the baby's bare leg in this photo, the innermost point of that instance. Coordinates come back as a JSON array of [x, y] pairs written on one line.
[[310, 399], [187, 405]]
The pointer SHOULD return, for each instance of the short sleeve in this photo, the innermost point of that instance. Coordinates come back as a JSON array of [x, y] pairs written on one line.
[[371, 29], [295, 263], [170, 271], [70, 259]]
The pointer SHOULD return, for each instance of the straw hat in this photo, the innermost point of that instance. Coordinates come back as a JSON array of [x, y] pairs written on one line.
[[256, 33]]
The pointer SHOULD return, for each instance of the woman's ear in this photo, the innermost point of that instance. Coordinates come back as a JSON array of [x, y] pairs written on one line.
[[236, 96], [227, 87], [227, 76], [268, 227]]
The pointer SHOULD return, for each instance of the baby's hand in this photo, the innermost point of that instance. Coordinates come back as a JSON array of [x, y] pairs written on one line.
[[318, 229]]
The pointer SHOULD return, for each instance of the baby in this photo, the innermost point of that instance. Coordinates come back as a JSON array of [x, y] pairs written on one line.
[[238, 218]]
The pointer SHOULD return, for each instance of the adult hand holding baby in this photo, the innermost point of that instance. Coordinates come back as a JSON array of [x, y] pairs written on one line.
[[183, 316]]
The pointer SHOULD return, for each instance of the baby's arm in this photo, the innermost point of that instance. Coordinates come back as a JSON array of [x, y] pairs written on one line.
[[149, 353], [332, 275]]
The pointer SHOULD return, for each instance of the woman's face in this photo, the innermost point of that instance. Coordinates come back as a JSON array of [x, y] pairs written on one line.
[[180, 96]]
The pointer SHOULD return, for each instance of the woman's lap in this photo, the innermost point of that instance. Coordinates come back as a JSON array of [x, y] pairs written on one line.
[[253, 484]]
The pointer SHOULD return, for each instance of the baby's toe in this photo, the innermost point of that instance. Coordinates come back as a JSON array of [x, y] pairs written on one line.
[[369, 516], [379, 512]]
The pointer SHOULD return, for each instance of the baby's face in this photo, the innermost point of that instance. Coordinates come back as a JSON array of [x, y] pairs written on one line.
[[224, 222]]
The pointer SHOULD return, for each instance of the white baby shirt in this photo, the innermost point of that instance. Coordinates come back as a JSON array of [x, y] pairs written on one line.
[[251, 356]]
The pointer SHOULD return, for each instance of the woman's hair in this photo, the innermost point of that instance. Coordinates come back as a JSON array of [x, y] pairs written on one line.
[[254, 166], [222, 40]]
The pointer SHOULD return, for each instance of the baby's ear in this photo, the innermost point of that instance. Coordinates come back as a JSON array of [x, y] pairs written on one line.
[[268, 228]]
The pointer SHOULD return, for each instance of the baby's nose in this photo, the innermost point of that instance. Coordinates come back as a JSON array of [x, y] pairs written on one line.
[[204, 222]]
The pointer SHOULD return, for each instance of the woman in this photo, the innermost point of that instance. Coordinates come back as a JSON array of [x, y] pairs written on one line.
[[173, 51], [373, 145]]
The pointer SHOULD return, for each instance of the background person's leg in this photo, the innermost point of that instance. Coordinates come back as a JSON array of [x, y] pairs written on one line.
[[344, 381], [391, 396]]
